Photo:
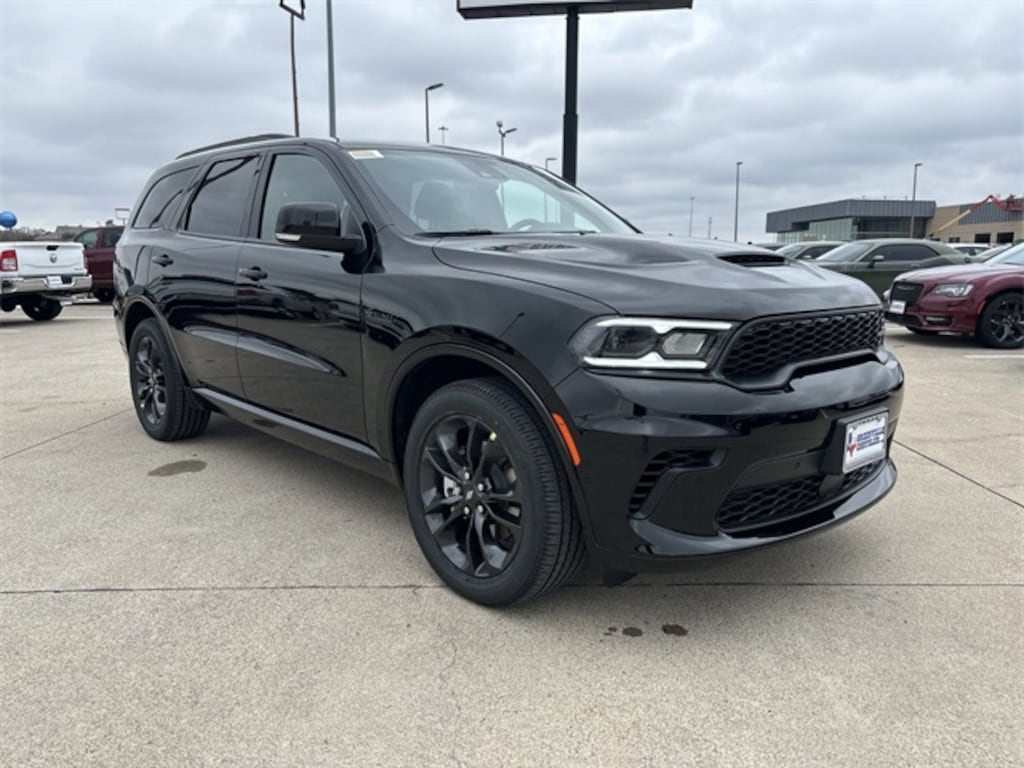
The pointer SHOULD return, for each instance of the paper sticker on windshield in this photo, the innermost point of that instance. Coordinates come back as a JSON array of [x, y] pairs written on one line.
[[364, 154]]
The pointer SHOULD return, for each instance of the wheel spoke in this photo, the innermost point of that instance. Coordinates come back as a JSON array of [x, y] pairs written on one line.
[[505, 517], [492, 555]]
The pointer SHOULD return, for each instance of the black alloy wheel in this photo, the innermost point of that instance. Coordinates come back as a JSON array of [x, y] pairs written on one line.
[[487, 499], [161, 398], [468, 484], [149, 382], [1001, 325]]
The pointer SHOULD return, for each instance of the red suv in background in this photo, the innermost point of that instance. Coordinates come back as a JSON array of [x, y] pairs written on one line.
[[99, 245]]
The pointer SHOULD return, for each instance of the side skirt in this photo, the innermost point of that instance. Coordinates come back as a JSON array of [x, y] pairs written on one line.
[[342, 449]]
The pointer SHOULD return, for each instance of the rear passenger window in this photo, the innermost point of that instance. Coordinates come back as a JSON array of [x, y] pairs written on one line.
[[87, 238], [160, 201], [219, 206]]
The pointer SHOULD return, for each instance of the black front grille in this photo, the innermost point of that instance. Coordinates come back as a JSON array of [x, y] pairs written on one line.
[[659, 464], [908, 292], [755, 507], [764, 346]]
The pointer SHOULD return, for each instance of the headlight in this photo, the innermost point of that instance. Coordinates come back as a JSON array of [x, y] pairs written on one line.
[[953, 289], [643, 342]]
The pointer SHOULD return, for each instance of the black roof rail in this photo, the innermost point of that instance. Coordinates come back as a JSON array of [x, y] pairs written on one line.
[[232, 142]]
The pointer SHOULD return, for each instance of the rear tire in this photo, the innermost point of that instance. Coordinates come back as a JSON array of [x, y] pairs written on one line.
[[41, 309], [162, 401], [104, 295], [488, 502], [1001, 325]]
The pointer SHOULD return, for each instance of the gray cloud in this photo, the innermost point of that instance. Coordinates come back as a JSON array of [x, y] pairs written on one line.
[[820, 100]]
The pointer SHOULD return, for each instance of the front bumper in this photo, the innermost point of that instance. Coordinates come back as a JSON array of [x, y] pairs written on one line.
[[939, 313], [682, 468], [68, 285]]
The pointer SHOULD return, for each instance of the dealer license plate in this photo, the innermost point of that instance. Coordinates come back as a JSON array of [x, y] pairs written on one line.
[[897, 307], [54, 281], [865, 441]]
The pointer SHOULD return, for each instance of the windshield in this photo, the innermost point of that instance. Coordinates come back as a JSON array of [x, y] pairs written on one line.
[[1013, 255], [438, 193], [846, 252]]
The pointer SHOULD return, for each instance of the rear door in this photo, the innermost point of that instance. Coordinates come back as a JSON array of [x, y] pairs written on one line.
[[898, 258], [299, 348], [193, 270]]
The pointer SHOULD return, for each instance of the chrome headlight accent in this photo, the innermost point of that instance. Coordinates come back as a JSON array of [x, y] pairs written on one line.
[[651, 343]]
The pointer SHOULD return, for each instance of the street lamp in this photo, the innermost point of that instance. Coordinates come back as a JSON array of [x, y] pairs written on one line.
[[426, 105], [736, 208], [295, 9], [548, 160], [913, 198], [690, 234], [503, 134], [444, 132]]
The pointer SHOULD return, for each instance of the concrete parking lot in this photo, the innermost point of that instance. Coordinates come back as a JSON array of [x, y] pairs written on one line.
[[235, 601]]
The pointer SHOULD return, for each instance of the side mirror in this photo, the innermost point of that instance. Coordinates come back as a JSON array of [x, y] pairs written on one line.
[[877, 258], [316, 226]]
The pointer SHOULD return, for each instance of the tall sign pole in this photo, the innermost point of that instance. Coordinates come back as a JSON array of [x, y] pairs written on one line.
[[570, 120], [489, 9], [295, 10], [332, 119]]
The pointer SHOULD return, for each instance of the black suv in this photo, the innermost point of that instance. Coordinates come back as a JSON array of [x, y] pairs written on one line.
[[541, 379]]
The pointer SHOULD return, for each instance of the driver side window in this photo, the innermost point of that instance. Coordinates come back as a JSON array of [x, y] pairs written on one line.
[[302, 179]]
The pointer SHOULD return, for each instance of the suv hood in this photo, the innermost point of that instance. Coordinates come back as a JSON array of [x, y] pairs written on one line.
[[960, 273], [650, 276]]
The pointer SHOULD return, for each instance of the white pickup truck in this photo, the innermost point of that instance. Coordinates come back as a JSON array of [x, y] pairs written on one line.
[[41, 277]]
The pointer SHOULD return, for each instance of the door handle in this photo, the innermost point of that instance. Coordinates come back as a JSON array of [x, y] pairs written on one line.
[[253, 273], [163, 260]]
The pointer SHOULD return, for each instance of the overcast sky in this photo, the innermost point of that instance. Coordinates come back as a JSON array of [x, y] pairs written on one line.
[[820, 99]]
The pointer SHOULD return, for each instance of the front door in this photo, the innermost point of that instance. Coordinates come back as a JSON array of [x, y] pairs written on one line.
[[299, 345]]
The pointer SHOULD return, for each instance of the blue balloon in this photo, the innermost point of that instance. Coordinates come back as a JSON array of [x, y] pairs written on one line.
[[8, 219]]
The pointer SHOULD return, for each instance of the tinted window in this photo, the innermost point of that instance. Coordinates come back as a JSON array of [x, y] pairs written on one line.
[[848, 252], [219, 206], [301, 179], [908, 252], [87, 238], [160, 201], [109, 237]]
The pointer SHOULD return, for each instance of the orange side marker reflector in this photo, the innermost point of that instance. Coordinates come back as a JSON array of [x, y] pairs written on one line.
[[563, 429]]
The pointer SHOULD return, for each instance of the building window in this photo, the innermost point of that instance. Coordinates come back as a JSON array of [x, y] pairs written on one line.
[[982, 237], [1004, 237]]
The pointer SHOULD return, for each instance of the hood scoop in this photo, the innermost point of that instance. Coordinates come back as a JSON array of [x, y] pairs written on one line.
[[521, 247], [755, 259]]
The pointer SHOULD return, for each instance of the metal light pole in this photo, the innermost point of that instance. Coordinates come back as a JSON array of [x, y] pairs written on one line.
[[709, 227], [426, 105], [333, 126], [548, 160], [444, 133], [913, 198], [690, 233], [294, 12], [736, 208], [503, 134]]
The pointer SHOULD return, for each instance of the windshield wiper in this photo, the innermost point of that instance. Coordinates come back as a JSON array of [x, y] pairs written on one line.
[[456, 232]]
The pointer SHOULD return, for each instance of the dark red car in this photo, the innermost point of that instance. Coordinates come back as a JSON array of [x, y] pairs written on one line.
[[99, 245], [985, 300]]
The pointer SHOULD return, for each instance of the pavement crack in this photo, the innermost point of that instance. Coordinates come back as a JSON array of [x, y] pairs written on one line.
[[960, 474], [272, 588], [65, 434]]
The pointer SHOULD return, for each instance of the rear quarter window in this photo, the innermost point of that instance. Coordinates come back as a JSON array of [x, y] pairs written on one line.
[[161, 199]]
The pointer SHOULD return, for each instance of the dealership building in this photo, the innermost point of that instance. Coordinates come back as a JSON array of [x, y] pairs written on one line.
[[991, 220]]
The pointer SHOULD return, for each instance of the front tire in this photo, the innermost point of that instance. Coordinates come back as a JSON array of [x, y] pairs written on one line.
[[1001, 325], [41, 309], [487, 500], [159, 393]]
